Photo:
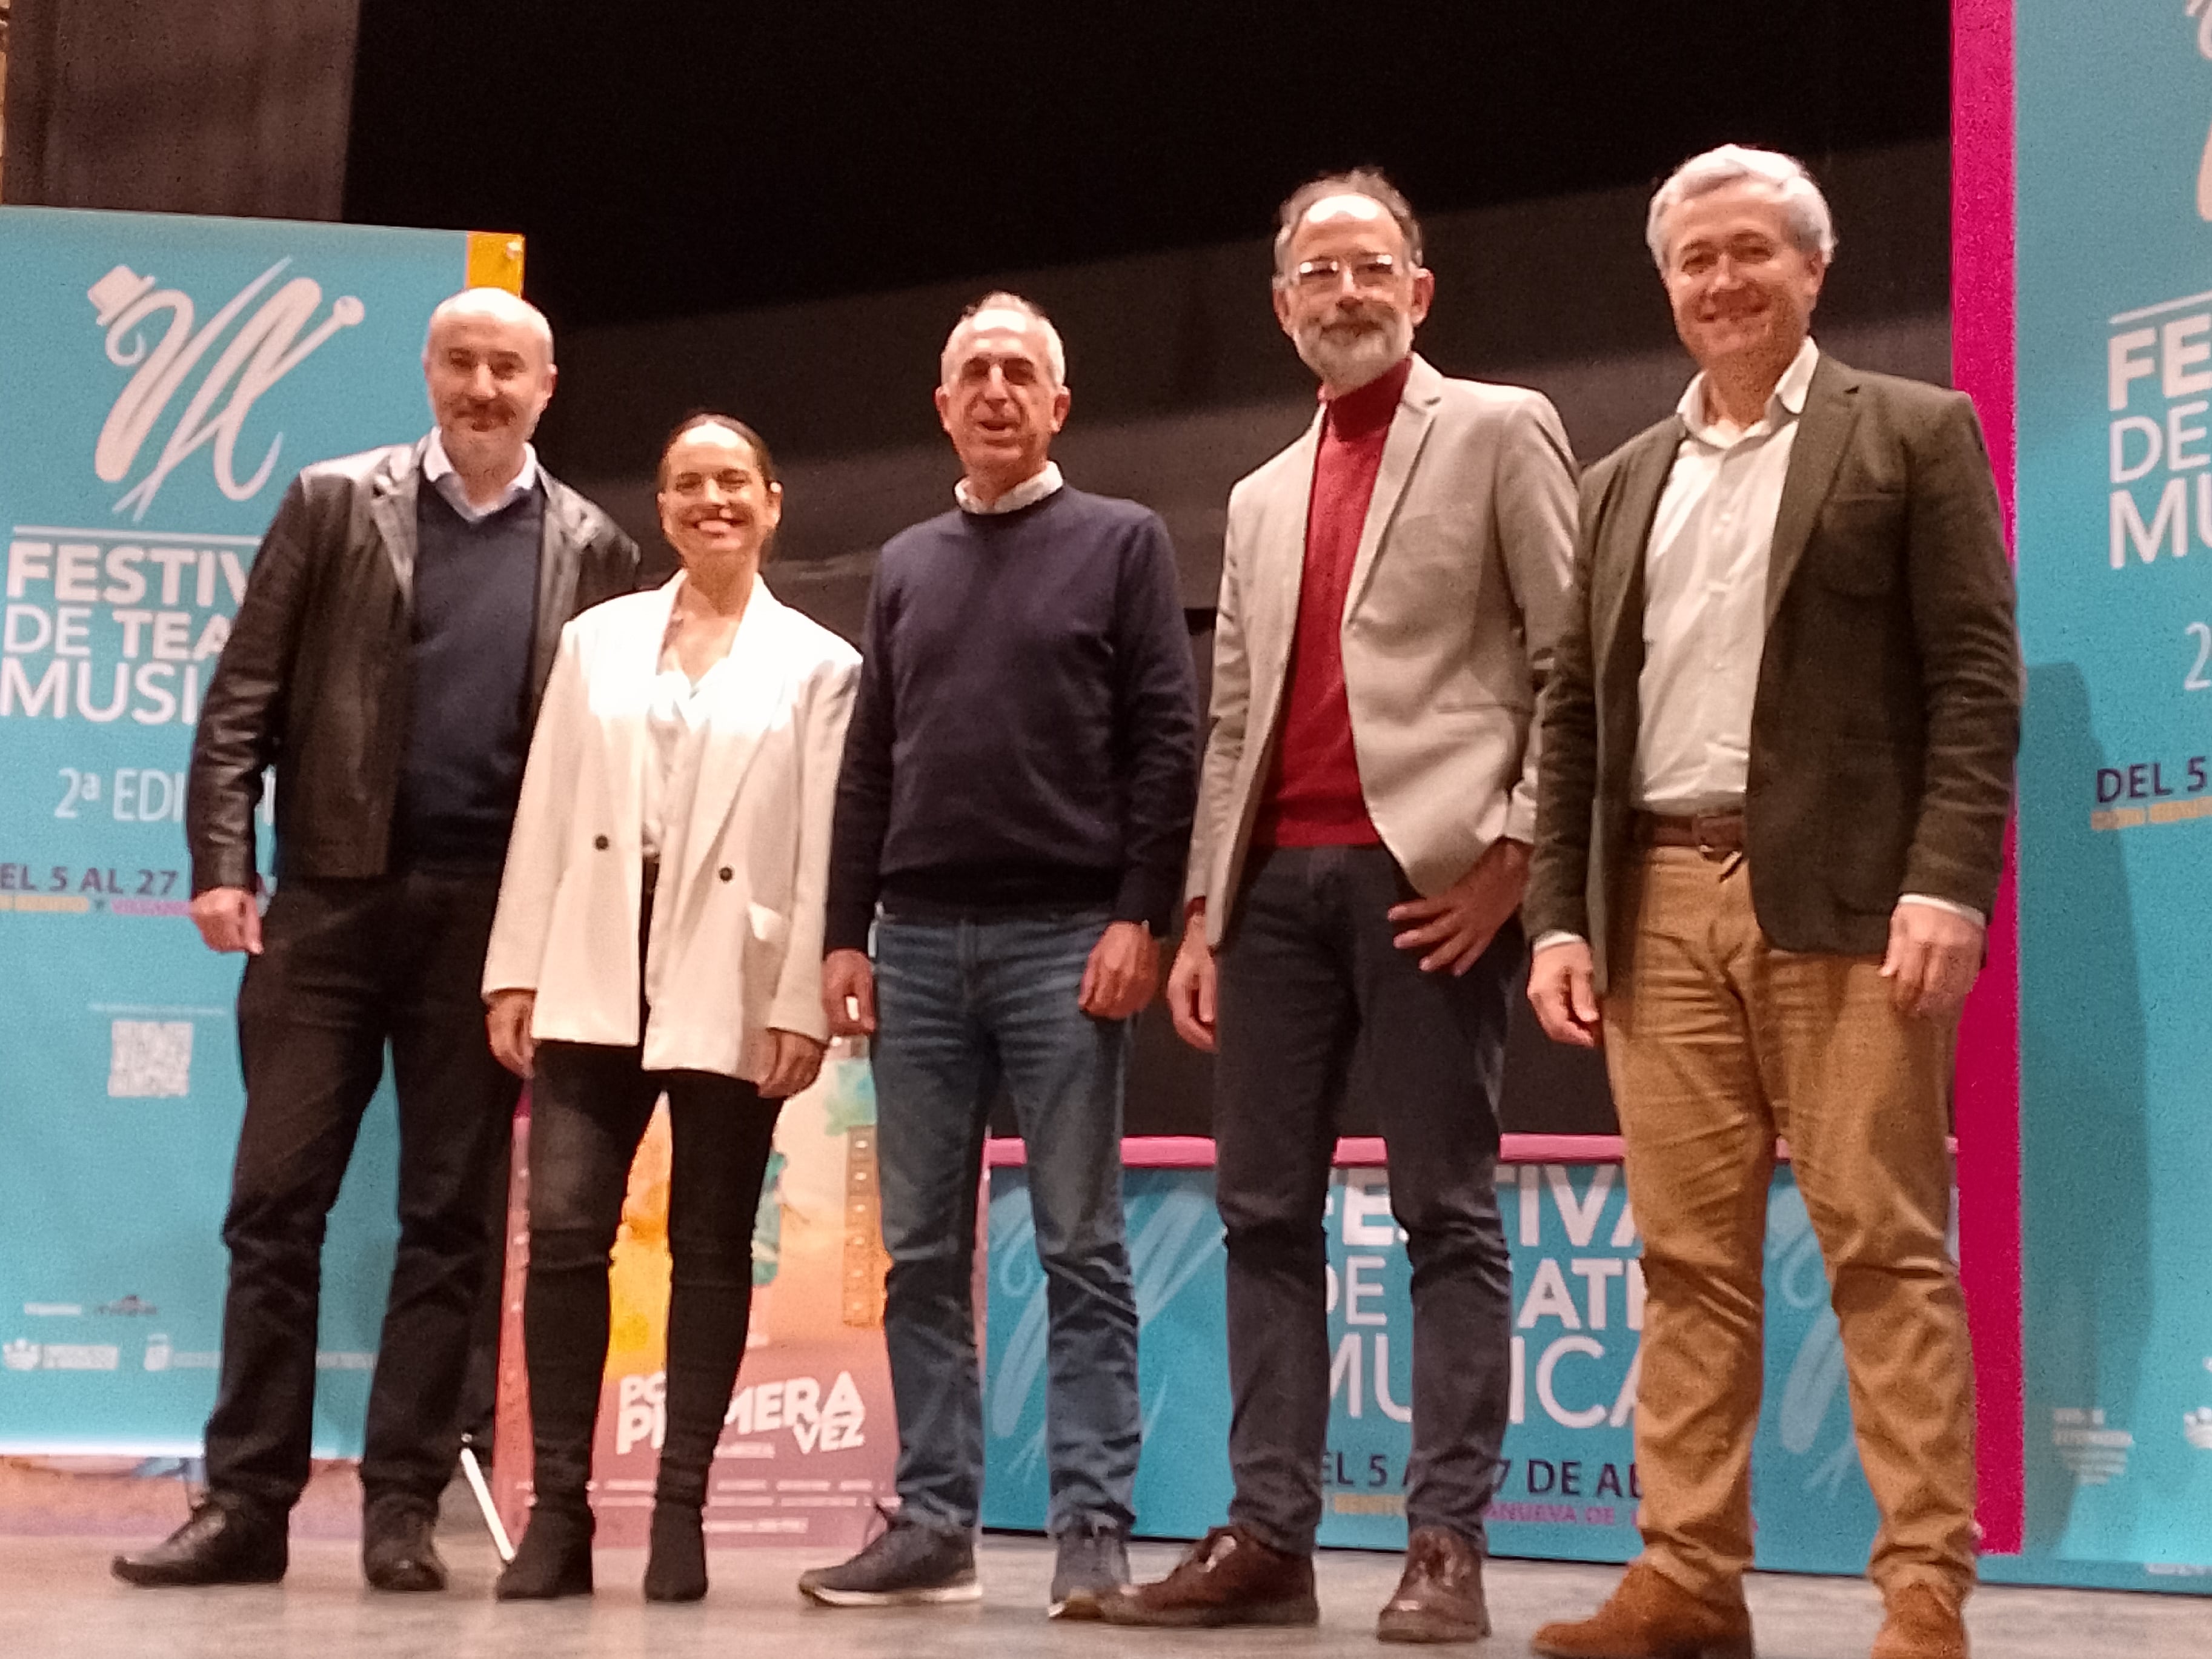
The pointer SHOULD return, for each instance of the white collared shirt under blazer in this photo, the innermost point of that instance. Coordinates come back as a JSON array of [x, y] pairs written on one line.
[[1705, 598], [1459, 591], [735, 946]]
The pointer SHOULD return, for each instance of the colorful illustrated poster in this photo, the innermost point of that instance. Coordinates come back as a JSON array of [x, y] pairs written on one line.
[[2113, 251], [161, 379], [809, 1441]]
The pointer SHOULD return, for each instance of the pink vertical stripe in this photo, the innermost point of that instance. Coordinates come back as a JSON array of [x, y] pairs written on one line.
[[1988, 1111]]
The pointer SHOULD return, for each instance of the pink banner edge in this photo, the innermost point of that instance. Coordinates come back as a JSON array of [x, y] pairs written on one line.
[[1987, 1112]]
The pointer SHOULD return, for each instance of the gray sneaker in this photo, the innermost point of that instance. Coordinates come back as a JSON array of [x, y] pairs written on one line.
[[1093, 1561], [910, 1565]]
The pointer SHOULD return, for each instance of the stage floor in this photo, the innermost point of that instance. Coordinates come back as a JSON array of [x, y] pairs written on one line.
[[56, 1598]]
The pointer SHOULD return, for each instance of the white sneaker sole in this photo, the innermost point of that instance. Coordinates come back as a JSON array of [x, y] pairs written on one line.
[[969, 1589]]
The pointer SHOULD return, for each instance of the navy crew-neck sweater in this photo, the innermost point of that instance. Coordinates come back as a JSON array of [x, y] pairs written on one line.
[[475, 611], [1025, 732]]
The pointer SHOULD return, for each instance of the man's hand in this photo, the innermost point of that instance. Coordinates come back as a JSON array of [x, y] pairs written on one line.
[[507, 1022], [848, 993], [790, 1060], [1562, 989], [1933, 957], [1123, 973], [1455, 928], [228, 918], [1193, 985]]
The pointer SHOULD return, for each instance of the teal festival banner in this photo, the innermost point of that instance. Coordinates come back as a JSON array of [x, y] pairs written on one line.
[[2113, 287], [1570, 1487], [161, 379]]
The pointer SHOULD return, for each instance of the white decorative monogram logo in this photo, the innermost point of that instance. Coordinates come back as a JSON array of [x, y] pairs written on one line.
[[265, 348], [2202, 11]]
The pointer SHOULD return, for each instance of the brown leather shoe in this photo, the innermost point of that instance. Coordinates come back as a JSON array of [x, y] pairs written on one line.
[[1923, 1623], [1649, 1616], [1228, 1577], [1439, 1598]]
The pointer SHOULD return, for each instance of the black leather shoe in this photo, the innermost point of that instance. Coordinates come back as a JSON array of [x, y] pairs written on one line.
[[399, 1550], [554, 1559], [219, 1545]]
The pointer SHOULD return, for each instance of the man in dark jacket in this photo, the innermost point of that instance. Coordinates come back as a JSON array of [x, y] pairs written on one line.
[[1778, 743], [387, 661]]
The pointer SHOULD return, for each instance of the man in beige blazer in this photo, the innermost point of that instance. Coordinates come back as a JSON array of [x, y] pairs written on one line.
[[1390, 590], [1777, 760]]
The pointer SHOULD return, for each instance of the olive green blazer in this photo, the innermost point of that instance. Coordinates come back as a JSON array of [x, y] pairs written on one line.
[[1888, 701]]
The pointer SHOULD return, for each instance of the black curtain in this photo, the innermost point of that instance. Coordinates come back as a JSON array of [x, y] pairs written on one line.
[[214, 106]]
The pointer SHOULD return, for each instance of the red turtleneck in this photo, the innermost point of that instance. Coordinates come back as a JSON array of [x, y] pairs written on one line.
[[1314, 798]]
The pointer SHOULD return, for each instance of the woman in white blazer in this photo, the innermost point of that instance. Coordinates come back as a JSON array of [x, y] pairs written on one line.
[[659, 928]]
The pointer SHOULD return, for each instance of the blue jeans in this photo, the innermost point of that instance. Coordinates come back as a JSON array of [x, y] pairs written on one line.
[[960, 1006]]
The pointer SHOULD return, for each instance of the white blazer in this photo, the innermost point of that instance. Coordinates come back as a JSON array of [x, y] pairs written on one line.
[[736, 939]]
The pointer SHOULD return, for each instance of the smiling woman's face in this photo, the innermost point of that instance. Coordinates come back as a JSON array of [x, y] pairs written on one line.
[[715, 501]]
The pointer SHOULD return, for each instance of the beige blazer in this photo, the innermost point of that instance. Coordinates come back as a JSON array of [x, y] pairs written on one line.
[[1458, 592], [737, 924]]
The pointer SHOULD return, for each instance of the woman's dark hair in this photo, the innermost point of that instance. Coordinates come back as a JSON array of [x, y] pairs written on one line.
[[698, 418]]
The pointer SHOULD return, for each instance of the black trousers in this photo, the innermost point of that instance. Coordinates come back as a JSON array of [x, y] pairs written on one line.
[[347, 968], [1315, 1001], [589, 1107]]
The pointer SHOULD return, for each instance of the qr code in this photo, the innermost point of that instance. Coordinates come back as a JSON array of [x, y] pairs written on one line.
[[149, 1059]]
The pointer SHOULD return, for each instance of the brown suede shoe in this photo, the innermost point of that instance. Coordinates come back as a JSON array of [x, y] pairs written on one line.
[[1923, 1623], [1439, 1598], [1228, 1577], [1649, 1616]]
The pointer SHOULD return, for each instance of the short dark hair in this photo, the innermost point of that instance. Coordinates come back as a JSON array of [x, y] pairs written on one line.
[[698, 418], [1369, 182]]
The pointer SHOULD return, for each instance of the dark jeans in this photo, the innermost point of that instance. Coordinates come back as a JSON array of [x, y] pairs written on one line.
[[589, 1106], [347, 967], [961, 1006], [1315, 1001]]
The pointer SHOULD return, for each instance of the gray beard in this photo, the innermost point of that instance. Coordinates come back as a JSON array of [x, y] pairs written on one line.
[[1354, 362]]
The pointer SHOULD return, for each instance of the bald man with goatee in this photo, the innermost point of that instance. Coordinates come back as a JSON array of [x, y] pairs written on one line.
[[387, 662]]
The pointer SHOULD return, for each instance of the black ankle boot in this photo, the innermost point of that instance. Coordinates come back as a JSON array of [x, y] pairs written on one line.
[[675, 1567], [555, 1558]]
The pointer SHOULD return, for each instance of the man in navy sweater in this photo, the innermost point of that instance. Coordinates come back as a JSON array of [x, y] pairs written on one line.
[[1012, 816]]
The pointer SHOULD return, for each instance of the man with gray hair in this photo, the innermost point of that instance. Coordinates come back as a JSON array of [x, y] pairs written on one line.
[[387, 661], [1391, 586], [1778, 762], [1012, 817]]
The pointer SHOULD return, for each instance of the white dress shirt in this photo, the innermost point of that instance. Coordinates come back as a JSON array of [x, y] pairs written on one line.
[[1705, 599], [1705, 607], [1027, 494], [438, 468]]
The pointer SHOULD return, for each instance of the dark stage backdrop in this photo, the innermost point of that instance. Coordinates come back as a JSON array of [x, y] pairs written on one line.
[[1182, 384], [211, 107]]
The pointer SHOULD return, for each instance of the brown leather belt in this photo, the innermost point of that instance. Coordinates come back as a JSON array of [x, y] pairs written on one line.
[[1716, 834]]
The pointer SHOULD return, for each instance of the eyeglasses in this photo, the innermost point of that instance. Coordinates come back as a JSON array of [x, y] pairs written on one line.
[[1369, 271]]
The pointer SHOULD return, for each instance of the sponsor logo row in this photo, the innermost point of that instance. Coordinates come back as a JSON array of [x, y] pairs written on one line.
[[22, 1354]]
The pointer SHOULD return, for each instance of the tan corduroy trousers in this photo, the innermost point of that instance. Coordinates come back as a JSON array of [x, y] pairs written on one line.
[[1716, 1043]]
